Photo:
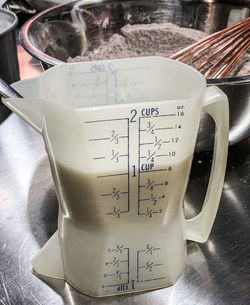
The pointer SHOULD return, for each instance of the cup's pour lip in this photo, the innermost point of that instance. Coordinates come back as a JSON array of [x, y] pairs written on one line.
[[195, 95], [112, 106]]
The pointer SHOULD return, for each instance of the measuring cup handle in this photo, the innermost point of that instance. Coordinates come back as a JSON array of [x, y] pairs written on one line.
[[215, 104]]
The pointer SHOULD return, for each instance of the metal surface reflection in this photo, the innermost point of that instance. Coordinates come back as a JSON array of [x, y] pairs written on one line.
[[28, 217]]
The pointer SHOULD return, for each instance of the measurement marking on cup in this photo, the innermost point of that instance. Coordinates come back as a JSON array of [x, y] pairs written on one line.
[[163, 115], [98, 139], [155, 184], [115, 155], [150, 143], [113, 133], [149, 212], [155, 144], [150, 184], [119, 274], [106, 195], [139, 164], [154, 170], [163, 155], [117, 267], [158, 116], [107, 138], [163, 128], [150, 156], [110, 194], [149, 264], [116, 194], [155, 279], [128, 171], [106, 120], [152, 151], [99, 158], [112, 175], [158, 142], [150, 128], [114, 137], [118, 248], [116, 212], [149, 249]]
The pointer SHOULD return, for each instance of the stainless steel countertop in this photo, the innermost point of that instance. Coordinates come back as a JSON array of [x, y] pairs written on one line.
[[217, 272]]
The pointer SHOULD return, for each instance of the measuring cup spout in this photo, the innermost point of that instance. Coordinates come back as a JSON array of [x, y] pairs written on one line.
[[48, 261], [28, 108], [7, 91]]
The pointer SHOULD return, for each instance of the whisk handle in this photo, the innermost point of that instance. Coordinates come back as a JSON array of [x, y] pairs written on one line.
[[216, 105]]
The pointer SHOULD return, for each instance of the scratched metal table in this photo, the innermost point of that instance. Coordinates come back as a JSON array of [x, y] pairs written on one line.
[[217, 272]]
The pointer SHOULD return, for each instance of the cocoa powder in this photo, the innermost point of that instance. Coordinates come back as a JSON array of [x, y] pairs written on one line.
[[163, 39]]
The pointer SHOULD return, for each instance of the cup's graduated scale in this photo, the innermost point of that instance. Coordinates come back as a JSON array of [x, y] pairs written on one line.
[[137, 174], [120, 153], [139, 167]]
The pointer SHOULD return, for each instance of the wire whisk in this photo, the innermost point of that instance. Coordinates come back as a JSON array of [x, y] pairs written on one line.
[[218, 54]]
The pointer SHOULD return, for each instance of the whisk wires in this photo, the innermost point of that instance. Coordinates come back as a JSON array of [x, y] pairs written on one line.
[[218, 54]]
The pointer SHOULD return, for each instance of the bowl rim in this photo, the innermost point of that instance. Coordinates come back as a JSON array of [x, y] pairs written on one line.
[[13, 24], [29, 47], [32, 50]]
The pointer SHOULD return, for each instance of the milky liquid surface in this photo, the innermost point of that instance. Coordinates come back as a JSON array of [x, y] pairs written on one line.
[[89, 199]]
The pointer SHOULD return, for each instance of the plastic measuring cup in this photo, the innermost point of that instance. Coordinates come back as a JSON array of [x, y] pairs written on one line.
[[120, 137]]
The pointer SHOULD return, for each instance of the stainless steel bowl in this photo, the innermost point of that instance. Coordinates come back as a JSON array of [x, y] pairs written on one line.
[[9, 69], [58, 33]]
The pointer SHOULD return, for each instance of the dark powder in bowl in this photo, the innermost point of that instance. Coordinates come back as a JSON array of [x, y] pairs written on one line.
[[164, 39]]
